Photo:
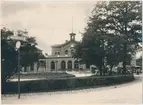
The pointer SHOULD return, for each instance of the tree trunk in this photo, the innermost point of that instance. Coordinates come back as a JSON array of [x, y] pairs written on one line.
[[103, 69], [125, 44], [100, 69], [100, 72], [124, 61]]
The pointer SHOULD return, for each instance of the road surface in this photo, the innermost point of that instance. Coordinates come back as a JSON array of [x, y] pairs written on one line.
[[128, 93]]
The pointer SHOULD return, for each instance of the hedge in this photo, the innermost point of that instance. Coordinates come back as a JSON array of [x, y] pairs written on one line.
[[65, 83], [43, 75]]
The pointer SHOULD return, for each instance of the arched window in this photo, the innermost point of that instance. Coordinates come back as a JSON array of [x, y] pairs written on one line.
[[66, 52], [76, 65], [69, 65], [63, 65], [72, 51], [58, 53], [52, 65], [55, 53]]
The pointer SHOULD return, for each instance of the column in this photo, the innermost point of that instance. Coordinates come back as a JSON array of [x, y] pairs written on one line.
[[66, 64], [46, 65], [35, 67], [73, 65], [59, 65], [49, 65], [56, 65]]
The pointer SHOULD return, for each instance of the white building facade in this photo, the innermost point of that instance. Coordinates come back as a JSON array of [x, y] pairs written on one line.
[[61, 58]]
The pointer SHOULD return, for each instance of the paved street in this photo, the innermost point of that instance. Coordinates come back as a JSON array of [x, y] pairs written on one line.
[[128, 93]]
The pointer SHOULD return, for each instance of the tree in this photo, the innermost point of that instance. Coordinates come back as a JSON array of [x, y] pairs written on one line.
[[94, 45], [124, 19], [114, 53], [110, 34], [28, 51]]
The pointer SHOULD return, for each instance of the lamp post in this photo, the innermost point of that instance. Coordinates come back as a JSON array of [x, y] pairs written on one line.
[[18, 44]]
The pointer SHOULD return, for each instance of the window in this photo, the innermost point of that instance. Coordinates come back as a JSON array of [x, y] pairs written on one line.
[[42, 64], [52, 65], [58, 53], [70, 65], [63, 65], [55, 53], [72, 51], [66, 52]]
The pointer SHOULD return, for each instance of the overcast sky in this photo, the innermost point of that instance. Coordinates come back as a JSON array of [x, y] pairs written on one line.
[[49, 22]]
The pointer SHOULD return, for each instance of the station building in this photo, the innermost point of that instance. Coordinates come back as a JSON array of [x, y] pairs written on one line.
[[61, 58]]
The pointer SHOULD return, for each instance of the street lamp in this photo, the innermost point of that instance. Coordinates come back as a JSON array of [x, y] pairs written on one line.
[[18, 44]]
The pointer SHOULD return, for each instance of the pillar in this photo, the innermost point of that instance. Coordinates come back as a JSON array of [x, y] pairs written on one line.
[[66, 64], [35, 67], [49, 65], [46, 65], [59, 65], [56, 65], [73, 65]]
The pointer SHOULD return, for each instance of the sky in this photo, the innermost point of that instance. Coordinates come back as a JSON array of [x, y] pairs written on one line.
[[49, 22]]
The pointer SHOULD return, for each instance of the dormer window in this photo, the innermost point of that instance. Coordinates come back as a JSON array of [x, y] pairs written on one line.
[[57, 53]]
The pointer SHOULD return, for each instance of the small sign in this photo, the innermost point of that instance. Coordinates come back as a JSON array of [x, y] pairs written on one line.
[[18, 44]]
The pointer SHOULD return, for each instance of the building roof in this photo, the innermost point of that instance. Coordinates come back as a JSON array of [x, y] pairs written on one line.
[[61, 45]]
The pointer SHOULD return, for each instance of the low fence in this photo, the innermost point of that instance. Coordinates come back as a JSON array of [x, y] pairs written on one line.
[[65, 83]]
